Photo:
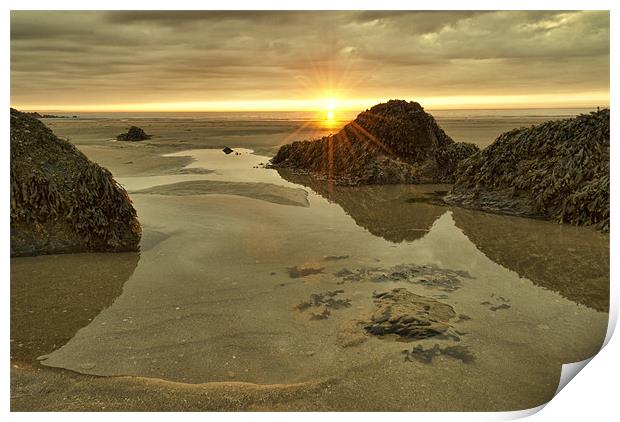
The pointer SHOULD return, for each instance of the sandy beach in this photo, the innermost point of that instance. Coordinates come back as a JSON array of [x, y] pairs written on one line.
[[255, 290]]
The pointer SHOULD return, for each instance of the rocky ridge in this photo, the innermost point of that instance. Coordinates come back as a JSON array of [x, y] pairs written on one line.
[[558, 170], [391, 143]]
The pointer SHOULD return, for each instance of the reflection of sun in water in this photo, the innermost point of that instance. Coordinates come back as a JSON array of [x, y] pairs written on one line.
[[330, 106]]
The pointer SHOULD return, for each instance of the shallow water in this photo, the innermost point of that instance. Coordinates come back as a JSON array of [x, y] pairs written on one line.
[[219, 288]]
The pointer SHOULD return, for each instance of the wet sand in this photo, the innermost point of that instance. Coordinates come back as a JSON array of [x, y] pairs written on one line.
[[210, 316]]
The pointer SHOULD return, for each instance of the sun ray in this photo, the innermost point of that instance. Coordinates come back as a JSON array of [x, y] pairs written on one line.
[[367, 135]]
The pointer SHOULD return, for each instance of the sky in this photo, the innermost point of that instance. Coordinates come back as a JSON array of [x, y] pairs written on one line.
[[265, 60]]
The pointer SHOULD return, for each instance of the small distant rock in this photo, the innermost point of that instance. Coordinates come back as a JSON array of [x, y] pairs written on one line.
[[228, 150], [298, 272], [134, 134], [335, 257]]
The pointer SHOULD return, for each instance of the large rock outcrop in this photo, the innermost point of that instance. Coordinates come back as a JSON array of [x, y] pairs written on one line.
[[393, 142], [60, 201], [557, 170]]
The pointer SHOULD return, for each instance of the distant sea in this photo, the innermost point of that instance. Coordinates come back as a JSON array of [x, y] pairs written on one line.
[[477, 126], [517, 113]]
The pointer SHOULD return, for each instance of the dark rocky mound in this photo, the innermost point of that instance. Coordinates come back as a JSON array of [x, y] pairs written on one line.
[[393, 142], [228, 150], [134, 134], [60, 201], [557, 170]]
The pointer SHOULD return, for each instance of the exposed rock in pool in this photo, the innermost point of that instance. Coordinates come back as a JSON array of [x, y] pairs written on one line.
[[298, 272], [557, 170], [228, 150], [393, 142], [134, 134], [408, 315], [60, 201]]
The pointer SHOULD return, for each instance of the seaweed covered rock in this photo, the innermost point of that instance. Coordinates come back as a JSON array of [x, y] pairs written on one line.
[[393, 142], [408, 315], [134, 134], [557, 170], [60, 201]]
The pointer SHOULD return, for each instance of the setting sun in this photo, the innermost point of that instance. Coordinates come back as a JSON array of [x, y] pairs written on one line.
[[330, 106]]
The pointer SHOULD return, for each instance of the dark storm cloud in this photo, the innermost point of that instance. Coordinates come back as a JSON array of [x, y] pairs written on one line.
[[140, 56]]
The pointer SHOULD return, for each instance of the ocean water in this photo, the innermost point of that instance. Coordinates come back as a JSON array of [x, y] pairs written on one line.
[[480, 127]]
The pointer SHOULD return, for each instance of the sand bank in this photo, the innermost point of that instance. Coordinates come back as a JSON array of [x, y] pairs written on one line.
[[263, 191]]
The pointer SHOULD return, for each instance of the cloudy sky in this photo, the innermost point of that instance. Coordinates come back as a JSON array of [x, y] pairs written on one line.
[[297, 60]]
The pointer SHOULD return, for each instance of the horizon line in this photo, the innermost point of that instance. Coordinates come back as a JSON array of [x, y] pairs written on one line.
[[337, 103], [534, 107]]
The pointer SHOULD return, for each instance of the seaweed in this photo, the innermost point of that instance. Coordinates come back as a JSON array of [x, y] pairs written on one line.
[[427, 356], [558, 170], [54, 185], [327, 301]]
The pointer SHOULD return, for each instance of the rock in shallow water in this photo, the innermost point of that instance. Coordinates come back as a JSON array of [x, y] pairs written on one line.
[[558, 170], [408, 315], [60, 201], [134, 134], [393, 142]]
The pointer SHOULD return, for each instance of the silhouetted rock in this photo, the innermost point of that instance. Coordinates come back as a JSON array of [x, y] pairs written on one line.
[[60, 201], [228, 150], [393, 142], [134, 134], [557, 170]]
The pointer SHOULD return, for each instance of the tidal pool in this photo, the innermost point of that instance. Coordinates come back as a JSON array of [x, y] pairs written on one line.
[[213, 296]]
